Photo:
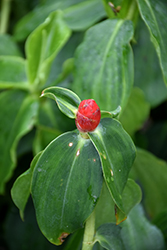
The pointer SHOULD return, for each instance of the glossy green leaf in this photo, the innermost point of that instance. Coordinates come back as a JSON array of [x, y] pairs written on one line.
[[43, 45], [148, 74], [68, 167], [112, 114], [20, 191], [150, 172], [81, 16], [66, 100], [8, 47], [109, 236], [17, 118], [105, 209], [135, 113], [117, 153], [138, 233], [105, 74], [154, 14], [12, 72]]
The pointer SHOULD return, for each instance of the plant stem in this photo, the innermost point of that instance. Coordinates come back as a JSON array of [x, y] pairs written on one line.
[[107, 8], [88, 239], [5, 10], [132, 10]]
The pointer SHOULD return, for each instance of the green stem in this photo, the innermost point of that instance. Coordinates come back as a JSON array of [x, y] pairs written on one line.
[[88, 240], [132, 10], [5, 10], [108, 9]]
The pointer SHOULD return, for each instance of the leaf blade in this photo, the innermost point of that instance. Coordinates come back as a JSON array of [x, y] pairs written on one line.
[[136, 107], [154, 15], [106, 212], [117, 153], [109, 237], [20, 191], [138, 233], [66, 100], [94, 76], [64, 179], [21, 110], [146, 165], [43, 45], [13, 72]]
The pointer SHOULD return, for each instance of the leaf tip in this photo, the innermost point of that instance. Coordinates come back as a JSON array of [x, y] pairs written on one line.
[[22, 215], [42, 94], [119, 215], [62, 237]]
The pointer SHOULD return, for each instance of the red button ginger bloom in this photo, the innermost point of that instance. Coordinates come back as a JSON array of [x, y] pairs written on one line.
[[88, 116]]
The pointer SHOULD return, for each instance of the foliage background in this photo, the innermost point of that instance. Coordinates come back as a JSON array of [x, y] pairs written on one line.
[[144, 117]]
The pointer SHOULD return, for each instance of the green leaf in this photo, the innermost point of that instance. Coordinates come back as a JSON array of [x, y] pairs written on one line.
[[66, 100], [68, 167], [105, 209], [138, 233], [7, 46], [154, 14], [105, 74], [17, 118], [109, 236], [112, 114], [148, 74], [117, 153], [79, 15], [12, 72], [33, 19], [136, 112], [83, 15], [43, 45], [20, 191], [150, 172]]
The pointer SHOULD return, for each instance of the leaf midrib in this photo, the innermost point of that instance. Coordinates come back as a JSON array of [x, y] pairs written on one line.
[[79, 145], [116, 30]]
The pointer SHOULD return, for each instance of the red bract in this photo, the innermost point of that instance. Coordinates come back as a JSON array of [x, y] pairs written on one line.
[[88, 116]]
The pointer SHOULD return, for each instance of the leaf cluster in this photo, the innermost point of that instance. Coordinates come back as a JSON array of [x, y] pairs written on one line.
[[113, 52]]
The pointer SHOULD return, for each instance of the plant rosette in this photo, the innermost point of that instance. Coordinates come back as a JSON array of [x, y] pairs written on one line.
[[66, 178]]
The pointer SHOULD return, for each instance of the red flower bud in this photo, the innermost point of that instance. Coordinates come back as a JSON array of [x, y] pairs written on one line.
[[88, 116]]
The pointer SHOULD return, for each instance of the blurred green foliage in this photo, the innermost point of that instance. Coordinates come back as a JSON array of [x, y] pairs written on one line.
[[115, 53]]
